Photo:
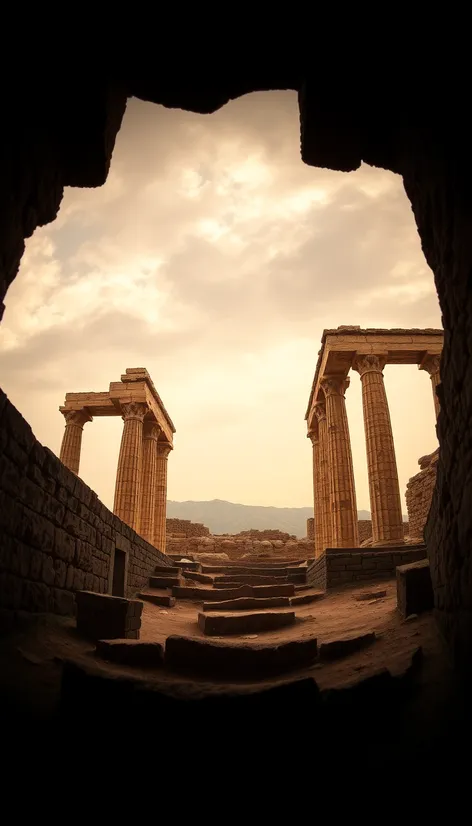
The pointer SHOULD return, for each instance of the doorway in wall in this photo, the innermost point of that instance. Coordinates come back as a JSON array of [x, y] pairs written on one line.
[[118, 585]]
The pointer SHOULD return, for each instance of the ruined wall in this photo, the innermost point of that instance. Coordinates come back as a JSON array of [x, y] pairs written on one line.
[[268, 533], [310, 528], [185, 528], [338, 567], [419, 494], [236, 547], [56, 537]]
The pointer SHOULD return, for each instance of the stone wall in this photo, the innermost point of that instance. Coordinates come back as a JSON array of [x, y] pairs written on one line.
[[185, 528], [419, 494], [236, 547], [268, 533], [310, 528], [340, 566], [56, 537]]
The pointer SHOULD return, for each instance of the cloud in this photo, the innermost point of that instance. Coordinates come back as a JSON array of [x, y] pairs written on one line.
[[214, 257]]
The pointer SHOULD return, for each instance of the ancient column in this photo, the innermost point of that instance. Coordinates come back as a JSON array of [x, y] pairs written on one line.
[[318, 507], [325, 491], [128, 477], [385, 502], [345, 532], [431, 363], [151, 432], [163, 450], [72, 439]]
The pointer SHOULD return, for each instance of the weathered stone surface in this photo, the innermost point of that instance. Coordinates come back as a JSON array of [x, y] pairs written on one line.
[[224, 659], [305, 599], [245, 603], [161, 570], [419, 495], [196, 576], [226, 624], [158, 599], [101, 616], [132, 652], [414, 588], [164, 581], [342, 648]]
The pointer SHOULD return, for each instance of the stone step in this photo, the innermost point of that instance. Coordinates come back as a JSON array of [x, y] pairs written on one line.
[[226, 659], [164, 581], [336, 649], [195, 576], [201, 594], [305, 599], [164, 600], [172, 571], [243, 570], [246, 603], [190, 566], [131, 652], [250, 579], [225, 624], [180, 556]]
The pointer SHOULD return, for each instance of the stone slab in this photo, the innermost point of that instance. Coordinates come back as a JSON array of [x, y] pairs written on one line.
[[336, 649], [414, 588], [164, 600], [132, 652], [229, 660], [250, 579], [160, 570], [164, 581], [196, 576], [226, 624], [245, 603], [253, 568], [102, 616], [305, 599], [184, 592]]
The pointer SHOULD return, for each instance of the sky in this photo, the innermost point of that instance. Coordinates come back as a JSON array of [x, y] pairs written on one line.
[[215, 258]]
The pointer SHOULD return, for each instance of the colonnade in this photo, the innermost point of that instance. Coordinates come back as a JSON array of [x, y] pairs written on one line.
[[336, 523]]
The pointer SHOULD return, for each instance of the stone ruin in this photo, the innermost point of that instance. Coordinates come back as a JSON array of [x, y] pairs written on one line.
[[55, 534]]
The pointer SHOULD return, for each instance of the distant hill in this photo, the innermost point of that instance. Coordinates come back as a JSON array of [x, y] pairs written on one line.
[[229, 517]]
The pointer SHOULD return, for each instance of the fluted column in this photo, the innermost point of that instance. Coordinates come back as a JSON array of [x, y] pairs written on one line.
[[151, 432], [385, 502], [318, 508], [163, 450], [431, 363], [345, 532], [325, 490], [128, 477], [72, 439]]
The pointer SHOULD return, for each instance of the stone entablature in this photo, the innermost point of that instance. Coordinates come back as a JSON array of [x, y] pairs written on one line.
[[366, 351], [141, 479]]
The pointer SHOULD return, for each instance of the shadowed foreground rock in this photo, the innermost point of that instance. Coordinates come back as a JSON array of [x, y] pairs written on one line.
[[132, 652], [224, 624], [342, 648]]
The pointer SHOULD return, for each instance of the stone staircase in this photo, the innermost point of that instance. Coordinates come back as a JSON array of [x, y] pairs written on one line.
[[235, 599]]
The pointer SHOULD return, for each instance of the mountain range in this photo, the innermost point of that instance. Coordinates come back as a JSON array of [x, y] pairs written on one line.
[[228, 517]]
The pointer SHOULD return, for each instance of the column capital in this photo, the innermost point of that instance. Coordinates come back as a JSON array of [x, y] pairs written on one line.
[[151, 430], [320, 411], [334, 385], [431, 363], [313, 436], [369, 363], [134, 410], [77, 417], [163, 449]]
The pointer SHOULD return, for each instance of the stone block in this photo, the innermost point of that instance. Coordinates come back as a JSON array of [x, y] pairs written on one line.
[[195, 576], [246, 603], [101, 616], [226, 624], [37, 531], [250, 579], [336, 649], [164, 601], [235, 660], [83, 555], [132, 653], [306, 599], [164, 581], [414, 588], [161, 570], [48, 574]]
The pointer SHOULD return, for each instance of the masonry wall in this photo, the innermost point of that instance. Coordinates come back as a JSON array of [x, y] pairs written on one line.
[[238, 546], [338, 567], [186, 528], [419, 494], [56, 537]]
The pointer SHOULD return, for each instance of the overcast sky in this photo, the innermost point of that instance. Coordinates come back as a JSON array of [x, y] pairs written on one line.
[[215, 258]]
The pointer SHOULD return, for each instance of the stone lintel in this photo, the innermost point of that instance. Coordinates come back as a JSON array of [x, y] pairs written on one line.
[[139, 391]]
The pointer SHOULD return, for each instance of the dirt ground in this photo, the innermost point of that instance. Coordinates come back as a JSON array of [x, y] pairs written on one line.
[[31, 655]]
